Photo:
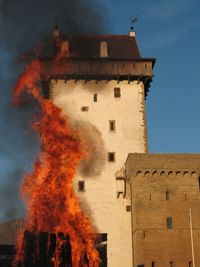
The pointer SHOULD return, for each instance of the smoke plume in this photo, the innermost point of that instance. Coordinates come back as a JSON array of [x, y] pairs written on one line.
[[93, 165], [24, 23]]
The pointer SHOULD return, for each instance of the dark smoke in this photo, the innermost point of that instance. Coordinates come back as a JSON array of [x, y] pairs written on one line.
[[24, 23]]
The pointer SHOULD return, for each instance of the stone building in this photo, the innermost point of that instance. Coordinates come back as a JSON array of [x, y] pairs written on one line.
[[164, 187]]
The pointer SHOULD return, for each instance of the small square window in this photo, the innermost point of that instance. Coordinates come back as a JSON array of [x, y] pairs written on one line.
[[112, 126], [95, 97], [169, 223], [84, 109], [117, 92], [81, 186], [111, 156]]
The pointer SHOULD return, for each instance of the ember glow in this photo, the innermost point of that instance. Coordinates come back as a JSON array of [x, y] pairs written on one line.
[[52, 205]]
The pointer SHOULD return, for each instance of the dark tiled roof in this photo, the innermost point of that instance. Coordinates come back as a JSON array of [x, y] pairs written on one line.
[[88, 46]]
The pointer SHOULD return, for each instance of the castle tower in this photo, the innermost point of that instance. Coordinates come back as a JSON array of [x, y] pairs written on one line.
[[103, 92]]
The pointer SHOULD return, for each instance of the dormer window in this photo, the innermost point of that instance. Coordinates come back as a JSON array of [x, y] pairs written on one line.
[[103, 49]]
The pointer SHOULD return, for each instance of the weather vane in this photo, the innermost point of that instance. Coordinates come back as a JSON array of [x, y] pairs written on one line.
[[133, 20]]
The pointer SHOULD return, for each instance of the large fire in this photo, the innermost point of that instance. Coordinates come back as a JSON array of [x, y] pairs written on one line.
[[52, 205]]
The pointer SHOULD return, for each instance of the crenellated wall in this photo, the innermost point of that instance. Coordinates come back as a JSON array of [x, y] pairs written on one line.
[[163, 189]]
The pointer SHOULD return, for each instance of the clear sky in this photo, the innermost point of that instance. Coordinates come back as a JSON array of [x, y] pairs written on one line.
[[168, 30]]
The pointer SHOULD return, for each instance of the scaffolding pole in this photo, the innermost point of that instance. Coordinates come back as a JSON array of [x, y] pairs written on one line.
[[191, 234]]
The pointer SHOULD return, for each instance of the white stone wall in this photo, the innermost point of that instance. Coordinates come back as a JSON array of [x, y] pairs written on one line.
[[99, 200]]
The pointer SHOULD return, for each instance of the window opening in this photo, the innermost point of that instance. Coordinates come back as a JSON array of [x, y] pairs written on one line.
[[117, 92], [128, 208], [199, 183], [144, 234], [171, 264], [169, 223], [95, 97], [167, 195], [101, 246], [81, 186], [153, 264], [190, 263], [84, 109], [112, 126], [111, 156]]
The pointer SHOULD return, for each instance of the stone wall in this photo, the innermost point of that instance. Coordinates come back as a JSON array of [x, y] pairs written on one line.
[[90, 107], [163, 189]]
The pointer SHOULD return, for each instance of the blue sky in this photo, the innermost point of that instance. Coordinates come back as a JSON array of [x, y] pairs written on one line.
[[167, 30]]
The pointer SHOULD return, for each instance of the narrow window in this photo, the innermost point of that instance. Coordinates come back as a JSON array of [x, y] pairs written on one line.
[[167, 195], [199, 183], [153, 264], [95, 97], [190, 263], [144, 234], [84, 109], [171, 264], [81, 186], [112, 126], [149, 196], [128, 208], [111, 156], [117, 92], [169, 223]]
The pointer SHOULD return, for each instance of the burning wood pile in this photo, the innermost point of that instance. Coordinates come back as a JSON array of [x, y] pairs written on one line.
[[47, 250]]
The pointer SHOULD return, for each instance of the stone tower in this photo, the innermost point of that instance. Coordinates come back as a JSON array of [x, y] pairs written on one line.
[[103, 92]]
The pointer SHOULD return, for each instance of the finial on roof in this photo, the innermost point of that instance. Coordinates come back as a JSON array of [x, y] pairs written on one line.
[[132, 33], [56, 31]]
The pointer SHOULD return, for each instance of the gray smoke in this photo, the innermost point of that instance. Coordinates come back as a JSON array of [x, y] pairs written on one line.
[[24, 23], [94, 163]]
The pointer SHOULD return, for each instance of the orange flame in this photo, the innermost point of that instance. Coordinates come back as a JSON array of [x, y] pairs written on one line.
[[52, 205]]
